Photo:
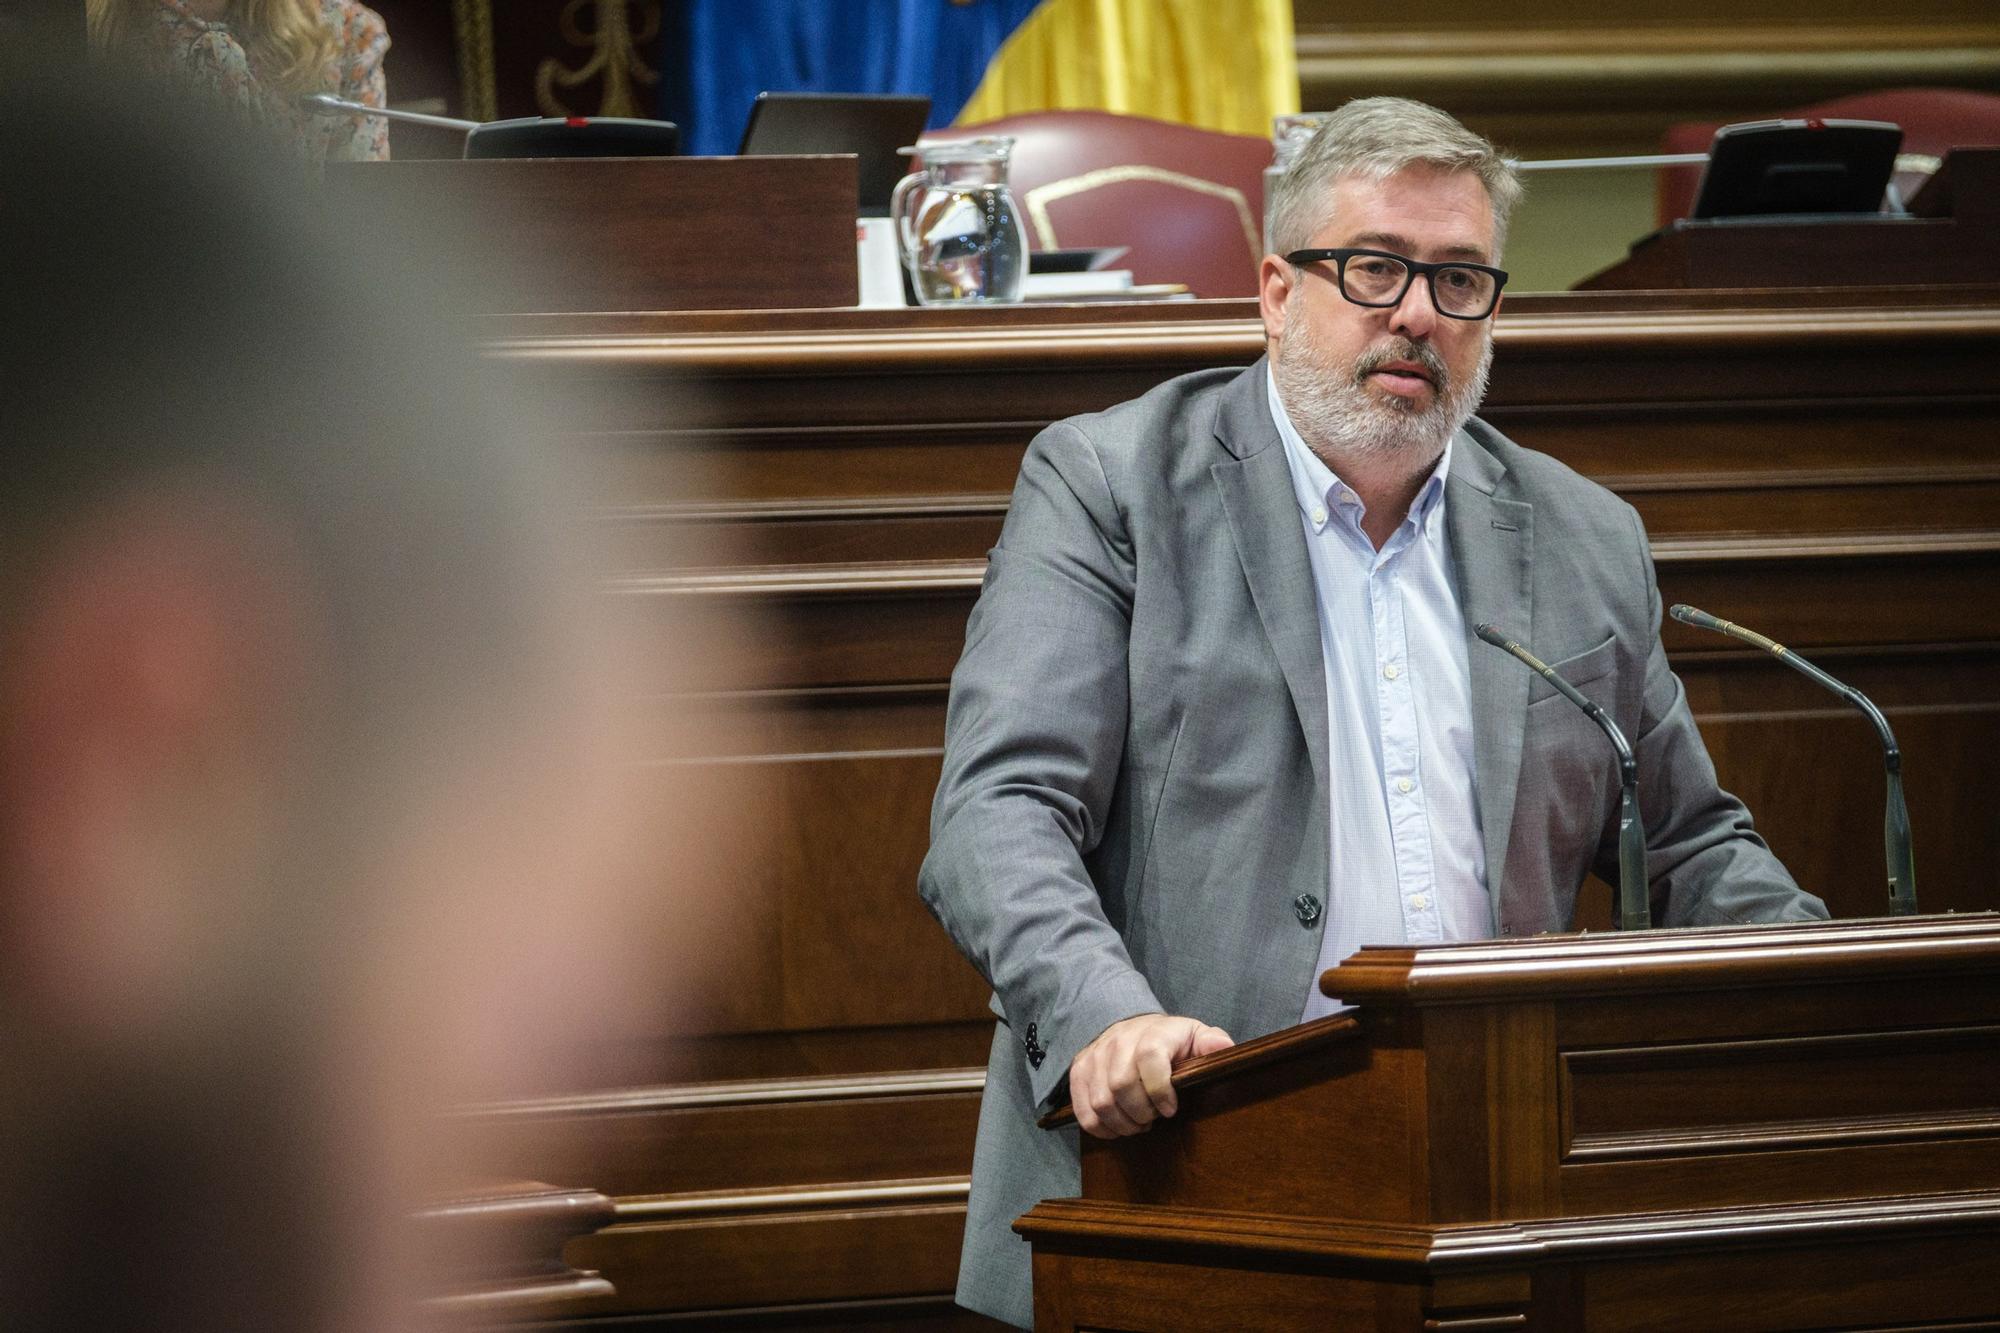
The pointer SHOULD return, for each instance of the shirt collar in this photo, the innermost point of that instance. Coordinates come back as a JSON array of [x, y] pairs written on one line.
[[1320, 491]]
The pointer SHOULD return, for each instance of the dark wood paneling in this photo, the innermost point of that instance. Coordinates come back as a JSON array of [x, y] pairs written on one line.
[[1903, 1284], [777, 1058], [496, 1254], [849, 1255], [1219, 1167], [651, 233], [1935, 1164], [824, 929], [896, 1314], [820, 488], [1772, 1131], [1123, 1294], [770, 1134], [1661, 1101]]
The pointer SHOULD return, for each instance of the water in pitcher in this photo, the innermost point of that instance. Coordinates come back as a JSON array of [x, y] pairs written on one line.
[[967, 246], [959, 228]]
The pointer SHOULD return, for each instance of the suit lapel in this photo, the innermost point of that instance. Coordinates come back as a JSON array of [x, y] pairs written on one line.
[[1262, 508], [1492, 543]]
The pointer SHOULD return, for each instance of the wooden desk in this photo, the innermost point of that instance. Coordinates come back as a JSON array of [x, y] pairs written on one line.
[[615, 233], [1822, 466]]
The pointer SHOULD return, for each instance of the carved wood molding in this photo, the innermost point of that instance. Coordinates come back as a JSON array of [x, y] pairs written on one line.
[[1779, 1096], [499, 1251], [614, 42], [1686, 959], [990, 504], [1225, 341], [794, 1199], [878, 580], [1079, 1226], [1202, 342], [994, 503], [1591, 69], [745, 1092], [1583, 330], [1797, 478], [916, 575], [1616, 40], [1847, 546], [963, 577]]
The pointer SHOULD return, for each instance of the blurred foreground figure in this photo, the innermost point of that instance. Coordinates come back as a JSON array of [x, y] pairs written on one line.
[[308, 824]]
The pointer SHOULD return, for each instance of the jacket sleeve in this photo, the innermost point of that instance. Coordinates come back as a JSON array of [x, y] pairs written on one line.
[[1707, 864], [1034, 737]]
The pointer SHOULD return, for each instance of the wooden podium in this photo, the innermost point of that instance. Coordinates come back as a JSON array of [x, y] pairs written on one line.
[[1786, 1126], [1951, 237]]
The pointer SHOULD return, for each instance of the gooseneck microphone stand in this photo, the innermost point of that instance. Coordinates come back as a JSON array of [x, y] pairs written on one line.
[[1635, 910], [326, 104], [1896, 815]]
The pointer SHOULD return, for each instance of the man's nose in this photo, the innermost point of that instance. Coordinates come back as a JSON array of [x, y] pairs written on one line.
[[1415, 315]]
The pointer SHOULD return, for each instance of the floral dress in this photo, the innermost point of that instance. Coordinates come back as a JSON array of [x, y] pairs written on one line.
[[207, 54]]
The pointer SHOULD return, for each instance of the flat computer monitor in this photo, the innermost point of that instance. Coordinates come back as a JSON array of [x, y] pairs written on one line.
[[872, 126], [1770, 168]]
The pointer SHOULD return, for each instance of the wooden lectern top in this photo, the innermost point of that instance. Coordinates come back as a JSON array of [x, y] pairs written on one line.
[[1779, 953], [1554, 966], [1634, 1130]]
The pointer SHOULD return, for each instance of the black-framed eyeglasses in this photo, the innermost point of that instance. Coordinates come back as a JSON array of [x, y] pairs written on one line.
[[1380, 279]]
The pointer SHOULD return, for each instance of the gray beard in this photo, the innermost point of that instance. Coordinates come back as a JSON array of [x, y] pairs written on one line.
[[1343, 423]]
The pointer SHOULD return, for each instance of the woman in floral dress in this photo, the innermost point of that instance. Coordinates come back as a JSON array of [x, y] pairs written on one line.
[[262, 56]]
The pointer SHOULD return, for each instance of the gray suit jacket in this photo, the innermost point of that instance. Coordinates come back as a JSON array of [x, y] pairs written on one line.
[[1135, 777]]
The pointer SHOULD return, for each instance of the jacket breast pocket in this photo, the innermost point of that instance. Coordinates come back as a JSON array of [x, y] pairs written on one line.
[[1580, 670]]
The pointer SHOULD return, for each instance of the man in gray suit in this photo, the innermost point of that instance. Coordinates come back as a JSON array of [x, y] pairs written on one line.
[[1220, 719]]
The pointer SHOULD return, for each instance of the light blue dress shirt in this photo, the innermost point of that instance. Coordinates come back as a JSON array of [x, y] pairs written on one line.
[[1407, 862]]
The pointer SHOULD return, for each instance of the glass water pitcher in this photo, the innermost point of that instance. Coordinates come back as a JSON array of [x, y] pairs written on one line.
[[957, 226]]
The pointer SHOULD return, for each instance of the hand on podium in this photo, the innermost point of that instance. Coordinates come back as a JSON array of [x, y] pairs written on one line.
[[1123, 1080]]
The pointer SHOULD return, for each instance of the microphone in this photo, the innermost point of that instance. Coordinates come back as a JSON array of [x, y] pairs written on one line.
[[528, 136], [1635, 910], [326, 104], [1895, 815]]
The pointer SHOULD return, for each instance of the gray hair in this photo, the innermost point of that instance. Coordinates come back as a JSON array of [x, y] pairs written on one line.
[[1376, 137]]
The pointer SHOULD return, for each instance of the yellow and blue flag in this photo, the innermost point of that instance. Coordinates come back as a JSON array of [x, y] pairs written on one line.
[[1222, 64]]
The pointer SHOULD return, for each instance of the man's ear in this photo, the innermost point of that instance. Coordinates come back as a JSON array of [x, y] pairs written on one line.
[[1274, 289], [156, 680]]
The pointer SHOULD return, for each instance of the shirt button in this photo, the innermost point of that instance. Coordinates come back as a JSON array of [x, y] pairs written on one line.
[[1419, 902], [1392, 671], [1404, 784], [1319, 517], [1307, 907]]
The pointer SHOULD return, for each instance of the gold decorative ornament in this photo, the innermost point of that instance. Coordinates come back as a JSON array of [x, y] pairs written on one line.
[[614, 43]]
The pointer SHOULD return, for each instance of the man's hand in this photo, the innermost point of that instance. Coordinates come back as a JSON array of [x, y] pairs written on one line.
[[1123, 1080]]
